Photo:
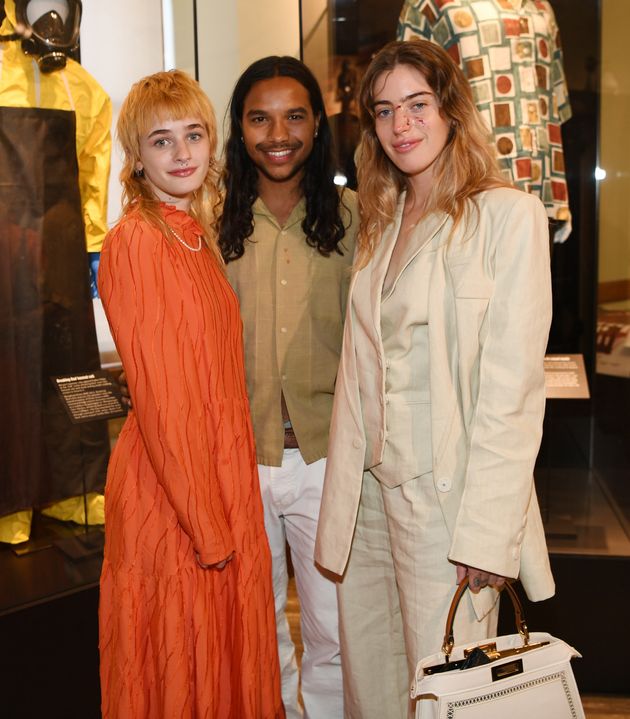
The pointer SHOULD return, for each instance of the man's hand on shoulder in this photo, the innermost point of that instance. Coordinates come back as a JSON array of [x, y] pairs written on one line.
[[124, 390]]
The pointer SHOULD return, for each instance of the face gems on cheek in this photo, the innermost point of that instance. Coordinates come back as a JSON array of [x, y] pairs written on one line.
[[406, 114], [412, 119]]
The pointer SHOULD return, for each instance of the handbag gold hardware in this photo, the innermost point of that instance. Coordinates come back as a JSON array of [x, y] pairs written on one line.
[[503, 671], [491, 651], [490, 648]]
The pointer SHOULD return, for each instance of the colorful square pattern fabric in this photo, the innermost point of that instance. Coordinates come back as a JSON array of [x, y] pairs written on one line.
[[511, 55]]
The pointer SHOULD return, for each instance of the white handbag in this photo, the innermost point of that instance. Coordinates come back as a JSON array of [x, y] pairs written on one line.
[[518, 676]]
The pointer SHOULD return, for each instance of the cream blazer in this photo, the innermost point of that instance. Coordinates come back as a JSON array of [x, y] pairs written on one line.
[[489, 315]]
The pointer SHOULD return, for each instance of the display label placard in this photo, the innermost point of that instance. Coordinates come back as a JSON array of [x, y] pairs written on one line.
[[90, 396], [565, 377]]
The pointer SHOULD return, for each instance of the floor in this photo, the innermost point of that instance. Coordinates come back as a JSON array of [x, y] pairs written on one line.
[[595, 706], [591, 530]]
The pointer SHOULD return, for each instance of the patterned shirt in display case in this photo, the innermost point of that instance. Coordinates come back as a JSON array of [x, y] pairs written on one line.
[[510, 53]]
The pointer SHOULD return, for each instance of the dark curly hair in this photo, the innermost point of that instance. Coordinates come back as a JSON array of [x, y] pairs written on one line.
[[323, 225]]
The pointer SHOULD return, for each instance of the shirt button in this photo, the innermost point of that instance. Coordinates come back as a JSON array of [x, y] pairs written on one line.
[[283, 330], [444, 484], [283, 282], [356, 443], [284, 233], [283, 377]]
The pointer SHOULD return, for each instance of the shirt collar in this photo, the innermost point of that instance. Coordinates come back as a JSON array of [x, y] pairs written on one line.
[[297, 213]]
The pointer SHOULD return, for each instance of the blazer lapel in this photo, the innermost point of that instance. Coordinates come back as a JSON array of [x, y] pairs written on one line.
[[347, 373], [421, 236], [380, 262]]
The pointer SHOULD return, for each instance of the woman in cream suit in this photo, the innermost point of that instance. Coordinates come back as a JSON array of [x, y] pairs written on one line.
[[439, 399]]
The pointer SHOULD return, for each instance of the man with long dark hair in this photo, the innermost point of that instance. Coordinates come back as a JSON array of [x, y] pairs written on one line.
[[287, 234]]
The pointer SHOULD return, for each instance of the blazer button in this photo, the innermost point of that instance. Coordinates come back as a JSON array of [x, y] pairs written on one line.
[[356, 443], [444, 484]]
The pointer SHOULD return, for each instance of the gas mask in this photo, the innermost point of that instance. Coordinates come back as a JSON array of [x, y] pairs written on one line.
[[48, 29]]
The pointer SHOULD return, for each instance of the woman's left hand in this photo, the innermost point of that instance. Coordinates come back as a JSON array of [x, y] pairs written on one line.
[[479, 578], [218, 565]]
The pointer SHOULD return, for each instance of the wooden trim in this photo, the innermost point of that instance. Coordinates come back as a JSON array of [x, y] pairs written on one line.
[[615, 291]]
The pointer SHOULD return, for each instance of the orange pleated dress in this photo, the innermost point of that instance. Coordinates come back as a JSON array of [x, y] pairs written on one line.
[[178, 641]]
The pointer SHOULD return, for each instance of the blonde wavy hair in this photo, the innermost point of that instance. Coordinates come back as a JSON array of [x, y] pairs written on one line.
[[167, 95], [466, 166]]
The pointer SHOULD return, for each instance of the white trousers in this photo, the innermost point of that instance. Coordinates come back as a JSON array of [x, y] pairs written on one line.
[[395, 596], [291, 497]]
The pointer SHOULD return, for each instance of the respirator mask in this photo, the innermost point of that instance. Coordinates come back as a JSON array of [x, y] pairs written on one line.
[[48, 29]]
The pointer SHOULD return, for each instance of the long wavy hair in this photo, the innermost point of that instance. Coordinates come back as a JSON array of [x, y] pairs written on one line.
[[323, 225], [167, 95], [466, 166]]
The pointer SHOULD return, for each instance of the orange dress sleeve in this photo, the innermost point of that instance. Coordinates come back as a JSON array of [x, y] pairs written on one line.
[[148, 295]]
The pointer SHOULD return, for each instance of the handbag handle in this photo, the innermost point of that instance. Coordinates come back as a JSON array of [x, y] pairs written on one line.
[[521, 626]]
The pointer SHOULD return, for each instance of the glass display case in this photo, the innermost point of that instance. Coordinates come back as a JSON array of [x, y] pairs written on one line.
[[583, 469]]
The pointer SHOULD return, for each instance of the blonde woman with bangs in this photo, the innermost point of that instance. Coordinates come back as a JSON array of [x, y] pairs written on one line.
[[440, 397], [187, 625]]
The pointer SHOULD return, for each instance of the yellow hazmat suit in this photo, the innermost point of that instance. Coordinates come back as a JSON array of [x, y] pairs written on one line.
[[23, 85], [73, 88]]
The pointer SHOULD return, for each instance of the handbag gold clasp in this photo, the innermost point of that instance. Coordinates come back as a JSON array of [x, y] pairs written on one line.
[[489, 649]]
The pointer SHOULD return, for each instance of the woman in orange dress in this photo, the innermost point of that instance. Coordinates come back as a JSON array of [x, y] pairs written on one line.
[[187, 626]]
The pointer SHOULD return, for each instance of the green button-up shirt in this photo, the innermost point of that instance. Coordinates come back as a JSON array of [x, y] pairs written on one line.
[[293, 302]]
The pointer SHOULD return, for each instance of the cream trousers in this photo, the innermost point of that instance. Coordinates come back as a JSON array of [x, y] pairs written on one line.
[[395, 596]]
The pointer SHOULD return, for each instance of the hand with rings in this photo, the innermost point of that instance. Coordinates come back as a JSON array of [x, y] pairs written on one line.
[[479, 578]]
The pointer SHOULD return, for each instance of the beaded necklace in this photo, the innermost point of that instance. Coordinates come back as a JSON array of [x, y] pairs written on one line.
[[187, 246]]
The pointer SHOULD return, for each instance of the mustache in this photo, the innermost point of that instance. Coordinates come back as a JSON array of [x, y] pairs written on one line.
[[278, 146]]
